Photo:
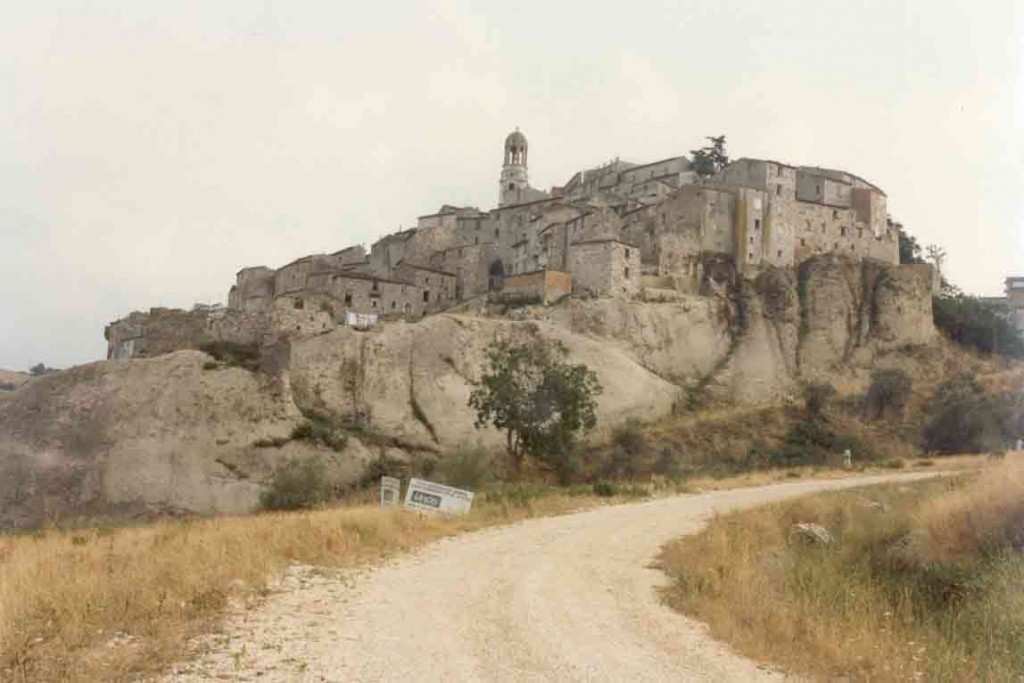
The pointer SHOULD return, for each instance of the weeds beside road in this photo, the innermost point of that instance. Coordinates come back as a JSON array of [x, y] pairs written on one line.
[[923, 581]]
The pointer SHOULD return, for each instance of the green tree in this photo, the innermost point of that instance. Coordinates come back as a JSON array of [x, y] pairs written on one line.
[[817, 397], [711, 159], [910, 250], [973, 323], [888, 393], [39, 370], [542, 403], [299, 483]]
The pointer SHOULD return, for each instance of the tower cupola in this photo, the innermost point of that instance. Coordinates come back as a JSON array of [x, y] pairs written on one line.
[[514, 180]]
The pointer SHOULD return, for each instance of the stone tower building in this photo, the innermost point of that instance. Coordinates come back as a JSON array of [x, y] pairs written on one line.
[[514, 181]]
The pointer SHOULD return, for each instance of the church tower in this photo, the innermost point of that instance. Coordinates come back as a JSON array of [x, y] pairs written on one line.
[[513, 182]]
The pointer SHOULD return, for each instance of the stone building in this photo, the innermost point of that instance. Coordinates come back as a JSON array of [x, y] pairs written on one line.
[[1015, 301], [601, 233]]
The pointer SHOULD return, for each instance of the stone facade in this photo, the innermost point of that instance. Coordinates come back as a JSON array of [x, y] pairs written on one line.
[[606, 227], [543, 286], [605, 268]]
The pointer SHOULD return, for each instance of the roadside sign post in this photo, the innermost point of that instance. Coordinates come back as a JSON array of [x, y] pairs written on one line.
[[428, 496], [390, 491]]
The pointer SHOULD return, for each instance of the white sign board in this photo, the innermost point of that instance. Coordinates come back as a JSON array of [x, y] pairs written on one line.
[[390, 491], [431, 497]]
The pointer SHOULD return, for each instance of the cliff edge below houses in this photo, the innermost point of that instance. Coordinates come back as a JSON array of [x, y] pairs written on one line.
[[181, 433]]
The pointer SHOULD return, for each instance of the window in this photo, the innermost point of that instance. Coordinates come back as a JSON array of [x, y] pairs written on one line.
[[627, 272], [497, 233], [780, 253], [299, 304], [817, 189], [476, 240], [426, 296], [860, 232], [375, 287], [835, 213], [427, 280], [627, 253], [778, 190], [374, 303], [842, 231], [393, 304], [511, 186], [348, 298], [751, 240], [757, 224], [803, 243]]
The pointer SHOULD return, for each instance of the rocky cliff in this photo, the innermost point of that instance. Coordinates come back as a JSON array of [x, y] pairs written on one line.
[[177, 433]]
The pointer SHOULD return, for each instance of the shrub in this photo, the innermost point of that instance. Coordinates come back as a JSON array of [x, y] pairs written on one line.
[[468, 467], [605, 489], [970, 322], [319, 430], [817, 397], [299, 483], [888, 393], [245, 356], [812, 442], [964, 418], [272, 442], [627, 454], [668, 463], [384, 466], [7, 387]]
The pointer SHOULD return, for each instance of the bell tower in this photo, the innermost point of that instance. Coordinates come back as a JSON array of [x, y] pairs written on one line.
[[513, 171]]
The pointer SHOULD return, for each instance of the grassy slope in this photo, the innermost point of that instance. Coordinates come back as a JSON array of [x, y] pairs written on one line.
[[926, 586], [67, 596]]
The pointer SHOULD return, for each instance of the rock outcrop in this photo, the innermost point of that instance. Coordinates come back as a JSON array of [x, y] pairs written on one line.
[[180, 434]]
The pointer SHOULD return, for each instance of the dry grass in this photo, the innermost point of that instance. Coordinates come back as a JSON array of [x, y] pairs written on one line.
[[877, 604], [971, 522], [106, 605]]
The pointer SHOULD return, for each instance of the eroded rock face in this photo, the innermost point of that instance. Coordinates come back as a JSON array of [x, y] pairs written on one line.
[[171, 434], [853, 310]]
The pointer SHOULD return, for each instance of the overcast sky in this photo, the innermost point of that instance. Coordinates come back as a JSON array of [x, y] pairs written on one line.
[[149, 150]]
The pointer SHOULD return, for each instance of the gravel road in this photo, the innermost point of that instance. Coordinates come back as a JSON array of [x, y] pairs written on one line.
[[570, 598]]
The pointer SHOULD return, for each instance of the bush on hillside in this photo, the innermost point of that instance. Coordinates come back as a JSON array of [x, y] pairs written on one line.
[[299, 483], [626, 459], [964, 418], [817, 397], [468, 467], [235, 354], [888, 394], [970, 322], [320, 430], [812, 442]]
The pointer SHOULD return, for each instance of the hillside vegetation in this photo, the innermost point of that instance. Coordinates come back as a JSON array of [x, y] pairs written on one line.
[[922, 581]]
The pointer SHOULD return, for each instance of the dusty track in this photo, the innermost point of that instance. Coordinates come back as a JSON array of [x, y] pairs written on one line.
[[562, 598]]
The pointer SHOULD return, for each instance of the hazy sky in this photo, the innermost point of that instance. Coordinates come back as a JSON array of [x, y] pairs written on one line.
[[149, 150]]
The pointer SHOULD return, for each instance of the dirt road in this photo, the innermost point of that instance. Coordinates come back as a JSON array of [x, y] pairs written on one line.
[[556, 599]]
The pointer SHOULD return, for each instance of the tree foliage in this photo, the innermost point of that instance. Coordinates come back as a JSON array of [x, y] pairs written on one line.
[[542, 403], [973, 323], [888, 393], [40, 369], [964, 418], [817, 397], [710, 159], [910, 249], [299, 483]]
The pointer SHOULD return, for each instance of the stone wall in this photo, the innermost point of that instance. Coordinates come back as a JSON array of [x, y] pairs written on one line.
[[437, 286], [543, 286], [363, 294], [605, 268], [162, 330]]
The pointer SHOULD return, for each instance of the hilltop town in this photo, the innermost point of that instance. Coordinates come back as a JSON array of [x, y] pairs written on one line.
[[652, 231]]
